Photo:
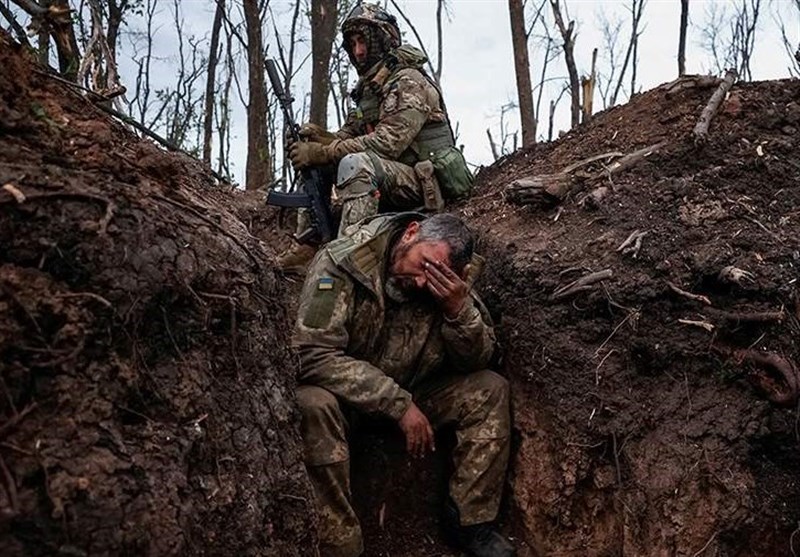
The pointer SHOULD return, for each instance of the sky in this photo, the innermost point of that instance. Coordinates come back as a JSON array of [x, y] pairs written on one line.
[[478, 67]]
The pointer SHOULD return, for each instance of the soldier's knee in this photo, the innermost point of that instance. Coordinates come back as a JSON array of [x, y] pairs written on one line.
[[316, 401], [494, 387], [354, 166], [323, 426], [488, 405]]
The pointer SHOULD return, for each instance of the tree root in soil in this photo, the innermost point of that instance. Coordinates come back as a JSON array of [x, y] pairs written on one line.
[[632, 244], [700, 131], [777, 378], [694, 297], [582, 284], [549, 189]]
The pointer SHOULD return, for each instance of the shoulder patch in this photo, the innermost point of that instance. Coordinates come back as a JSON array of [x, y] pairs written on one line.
[[322, 304]]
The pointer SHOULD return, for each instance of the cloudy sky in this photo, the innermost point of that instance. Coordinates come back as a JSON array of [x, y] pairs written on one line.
[[478, 73]]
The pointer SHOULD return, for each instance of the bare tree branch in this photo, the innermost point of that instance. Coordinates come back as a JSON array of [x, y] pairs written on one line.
[[567, 34]]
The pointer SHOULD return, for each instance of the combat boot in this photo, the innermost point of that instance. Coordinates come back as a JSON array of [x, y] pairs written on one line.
[[295, 260], [476, 540]]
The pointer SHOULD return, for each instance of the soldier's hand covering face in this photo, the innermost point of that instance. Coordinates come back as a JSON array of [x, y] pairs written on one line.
[[447, 287]]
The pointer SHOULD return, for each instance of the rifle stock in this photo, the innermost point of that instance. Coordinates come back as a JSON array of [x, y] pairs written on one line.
[[316, 191]]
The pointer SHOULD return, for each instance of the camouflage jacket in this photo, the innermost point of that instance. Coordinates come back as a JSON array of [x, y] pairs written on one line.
[[371, 351], [396, 107]]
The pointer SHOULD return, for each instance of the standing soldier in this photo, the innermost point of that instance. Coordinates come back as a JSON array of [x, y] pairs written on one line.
[[396, 151], [388, 326]]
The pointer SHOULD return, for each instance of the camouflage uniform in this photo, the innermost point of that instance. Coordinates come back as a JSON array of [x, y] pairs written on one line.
[[361, 351], [379, 150]]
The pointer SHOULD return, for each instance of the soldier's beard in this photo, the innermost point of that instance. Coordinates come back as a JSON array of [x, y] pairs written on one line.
[[396, 289]]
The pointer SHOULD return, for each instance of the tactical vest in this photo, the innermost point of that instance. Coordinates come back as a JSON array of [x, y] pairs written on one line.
[[432, 138]]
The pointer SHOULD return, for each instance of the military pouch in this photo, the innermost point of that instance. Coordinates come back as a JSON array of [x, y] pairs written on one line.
[[431, 193], [451, 171]]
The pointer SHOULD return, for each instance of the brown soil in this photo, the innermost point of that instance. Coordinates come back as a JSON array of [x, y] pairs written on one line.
[[639, 434], [148, 393], [147, 404]]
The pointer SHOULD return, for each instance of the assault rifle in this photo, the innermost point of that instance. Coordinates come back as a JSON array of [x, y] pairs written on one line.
[[316, 190]]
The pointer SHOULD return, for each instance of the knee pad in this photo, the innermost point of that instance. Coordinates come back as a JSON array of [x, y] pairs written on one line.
[[355, 166], [356, 175]]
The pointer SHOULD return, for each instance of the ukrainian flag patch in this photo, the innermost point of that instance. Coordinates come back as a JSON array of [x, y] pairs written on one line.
[[325, 283]]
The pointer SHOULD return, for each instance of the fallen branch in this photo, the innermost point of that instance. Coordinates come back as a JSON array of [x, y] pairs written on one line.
[[582, 284], [700, 131], [689, 295], [748, 317], [630, 159], [689, 82], [553, 188]]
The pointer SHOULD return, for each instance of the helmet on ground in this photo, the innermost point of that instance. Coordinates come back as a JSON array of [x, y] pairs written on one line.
[[377, 27]]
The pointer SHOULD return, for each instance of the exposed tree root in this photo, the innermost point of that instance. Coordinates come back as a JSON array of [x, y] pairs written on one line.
[[582, 284], [695, 297], [632, 244], [779, 381]]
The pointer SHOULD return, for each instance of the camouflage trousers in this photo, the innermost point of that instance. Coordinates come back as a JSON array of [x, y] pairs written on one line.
[[477, 404], [367, 183]]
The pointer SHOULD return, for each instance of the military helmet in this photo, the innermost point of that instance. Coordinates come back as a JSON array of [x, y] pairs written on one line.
[[378, 28]]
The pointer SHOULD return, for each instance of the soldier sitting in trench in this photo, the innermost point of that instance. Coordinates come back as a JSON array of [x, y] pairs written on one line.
[[388, 326], [395, 142]]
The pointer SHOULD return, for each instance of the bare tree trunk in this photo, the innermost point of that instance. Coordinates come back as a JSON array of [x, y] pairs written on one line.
[[516, 12], [64, 34], [257, 172], [55, 18], [22, 37], [492, 144], [637, 6], [682, 37], [437, 75], [323, 22], [116, 15], [211, 77], [588, 90], [43, 42], [567, 33]]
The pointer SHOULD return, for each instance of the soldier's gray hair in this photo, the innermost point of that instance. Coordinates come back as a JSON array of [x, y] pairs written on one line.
[[451, 230]]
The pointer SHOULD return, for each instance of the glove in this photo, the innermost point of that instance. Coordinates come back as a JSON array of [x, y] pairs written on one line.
[[308, 153], [315, 133]]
